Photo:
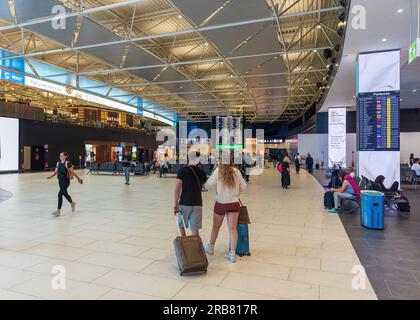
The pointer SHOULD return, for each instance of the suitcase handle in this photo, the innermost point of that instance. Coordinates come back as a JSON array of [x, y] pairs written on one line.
[[177, 225]]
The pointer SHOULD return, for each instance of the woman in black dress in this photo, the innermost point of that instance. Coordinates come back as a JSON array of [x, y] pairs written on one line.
[[285, 174]]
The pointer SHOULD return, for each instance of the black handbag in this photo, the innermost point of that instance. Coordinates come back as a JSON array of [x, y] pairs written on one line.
[[243, 214]]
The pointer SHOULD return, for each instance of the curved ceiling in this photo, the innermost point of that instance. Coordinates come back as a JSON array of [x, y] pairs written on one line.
[[198, 58]]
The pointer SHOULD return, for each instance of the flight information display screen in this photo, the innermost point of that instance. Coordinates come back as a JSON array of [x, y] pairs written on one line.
[[379, 121], [230, 132]]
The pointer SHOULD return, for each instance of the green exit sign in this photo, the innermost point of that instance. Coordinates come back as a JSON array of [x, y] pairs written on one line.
[[414, 52]]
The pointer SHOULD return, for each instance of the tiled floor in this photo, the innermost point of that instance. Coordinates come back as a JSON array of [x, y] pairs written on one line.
[[4, 195], [118, 245], [391, 257]]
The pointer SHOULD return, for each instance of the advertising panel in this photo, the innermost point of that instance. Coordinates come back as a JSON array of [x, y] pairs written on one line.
[[337, 137], [9, 144]]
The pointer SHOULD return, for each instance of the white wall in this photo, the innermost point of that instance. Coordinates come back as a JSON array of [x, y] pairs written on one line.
[[410, 143], [316, 143]]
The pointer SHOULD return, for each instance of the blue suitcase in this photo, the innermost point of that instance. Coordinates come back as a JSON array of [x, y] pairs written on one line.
[[242, 247]]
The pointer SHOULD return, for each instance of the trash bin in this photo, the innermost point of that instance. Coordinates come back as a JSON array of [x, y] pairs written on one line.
[[372, 210]]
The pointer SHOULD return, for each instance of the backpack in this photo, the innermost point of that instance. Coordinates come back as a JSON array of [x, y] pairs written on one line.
[[69, 174], [329, 200], [280, 167]]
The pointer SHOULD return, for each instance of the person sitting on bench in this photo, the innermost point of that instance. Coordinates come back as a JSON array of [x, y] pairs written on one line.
[[335, 181], [348, 191], [394, 188]]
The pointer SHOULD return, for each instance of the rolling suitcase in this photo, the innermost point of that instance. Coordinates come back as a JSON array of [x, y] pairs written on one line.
[[242, 247], [190, 254]]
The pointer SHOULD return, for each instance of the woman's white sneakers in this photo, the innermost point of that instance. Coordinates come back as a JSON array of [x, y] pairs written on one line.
[[209, 249], [232, 257]]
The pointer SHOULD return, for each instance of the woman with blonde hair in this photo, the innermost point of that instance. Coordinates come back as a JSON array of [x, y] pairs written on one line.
[[229, 184]]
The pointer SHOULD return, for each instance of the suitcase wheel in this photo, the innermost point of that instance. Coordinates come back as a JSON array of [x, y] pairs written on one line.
[[248, 254]]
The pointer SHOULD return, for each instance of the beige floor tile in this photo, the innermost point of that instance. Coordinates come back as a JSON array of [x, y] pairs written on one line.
[[141, 283], [194, 291], [74, 270], [57, 251], [41, 287], [117, 248], [16, 244], [19, 259], [270, 286], [11, 295], [12, 276], [328, 293], [213, 277], [116, 261], [116, 294]]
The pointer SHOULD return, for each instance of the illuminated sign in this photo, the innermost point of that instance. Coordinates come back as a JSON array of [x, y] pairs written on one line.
[[414, 50], [71, 92], [12, 77]]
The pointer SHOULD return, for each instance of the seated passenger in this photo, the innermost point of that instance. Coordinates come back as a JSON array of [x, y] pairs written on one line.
[[349, 190], [335, 181], [380, 181], [416, 166]]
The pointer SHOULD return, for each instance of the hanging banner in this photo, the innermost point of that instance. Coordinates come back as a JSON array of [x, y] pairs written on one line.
[[337, 137]]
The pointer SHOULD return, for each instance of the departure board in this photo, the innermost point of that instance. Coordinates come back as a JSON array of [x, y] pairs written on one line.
[[379, 121], [230, 130]]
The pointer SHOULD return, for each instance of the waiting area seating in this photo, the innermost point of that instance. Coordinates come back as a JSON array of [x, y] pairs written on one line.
[[108, 167]]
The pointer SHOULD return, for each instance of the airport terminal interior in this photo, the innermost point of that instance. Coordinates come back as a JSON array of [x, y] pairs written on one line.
[[293, 123]]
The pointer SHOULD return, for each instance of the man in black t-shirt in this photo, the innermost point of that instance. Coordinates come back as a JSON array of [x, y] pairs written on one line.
[[188, 201], [126, 164]]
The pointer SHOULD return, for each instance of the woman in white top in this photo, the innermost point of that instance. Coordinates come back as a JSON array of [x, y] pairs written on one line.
[[229, 184]]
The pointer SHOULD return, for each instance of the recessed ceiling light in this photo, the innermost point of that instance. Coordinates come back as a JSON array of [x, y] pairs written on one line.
[[318, 26], [414, 90], [384, 40], [179, 16], [206, 44], [315, 50], [400, 10]]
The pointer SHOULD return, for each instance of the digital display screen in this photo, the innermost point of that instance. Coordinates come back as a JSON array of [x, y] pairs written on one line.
[[9, 144], [230, 132], [379, 121]]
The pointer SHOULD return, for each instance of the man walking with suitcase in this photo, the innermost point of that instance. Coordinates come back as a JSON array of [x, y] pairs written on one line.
[[188, 203]]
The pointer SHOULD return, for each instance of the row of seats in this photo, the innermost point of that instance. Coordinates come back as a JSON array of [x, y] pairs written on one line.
[[138, 169]]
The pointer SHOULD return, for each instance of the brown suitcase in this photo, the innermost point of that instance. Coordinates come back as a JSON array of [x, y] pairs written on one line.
[[190, 254]]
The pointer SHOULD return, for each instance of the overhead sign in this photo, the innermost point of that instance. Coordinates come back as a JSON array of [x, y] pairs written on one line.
[[337, 134], [414, 50], [71, 92], [156, 117], [12, 77]]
